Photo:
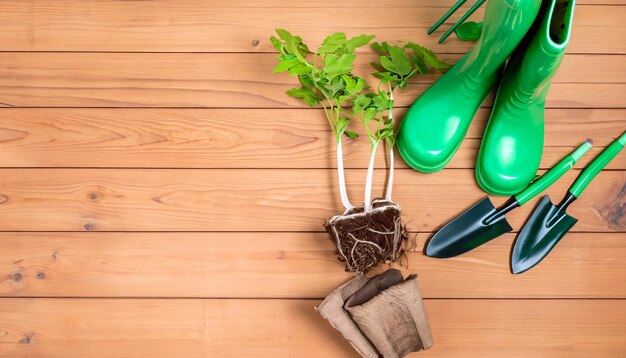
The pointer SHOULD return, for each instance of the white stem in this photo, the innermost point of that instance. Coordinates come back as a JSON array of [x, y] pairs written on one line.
[[390, 179], [367, 200], [391, 156], [341, 176]]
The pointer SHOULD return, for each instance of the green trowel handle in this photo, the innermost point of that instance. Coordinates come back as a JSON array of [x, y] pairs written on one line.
[[597, 165], [552, 175]]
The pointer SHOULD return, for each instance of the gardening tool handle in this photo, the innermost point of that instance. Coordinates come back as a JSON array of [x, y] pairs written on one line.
[[597, 165], [469, 12], [553, 174], [445, 17]]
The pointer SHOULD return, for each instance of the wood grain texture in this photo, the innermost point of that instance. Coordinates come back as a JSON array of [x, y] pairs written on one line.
[[287, 265], [258, 200], [235, 81], [244, 26], [287, 328], [217, 209], [242, 138]]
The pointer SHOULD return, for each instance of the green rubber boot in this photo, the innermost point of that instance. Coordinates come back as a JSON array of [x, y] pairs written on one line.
[[436, 123], [511, 150]]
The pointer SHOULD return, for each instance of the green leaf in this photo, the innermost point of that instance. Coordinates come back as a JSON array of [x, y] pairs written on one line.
[[335, 86], [381, 101], [427, 56], [353, 85], [288, 56], [377, 66], [293, 44], [383, 95], [307, 95], [419, 64], [351, 134], [342, 98], [360, 83], [360, 103], [300, 92], [381, 48], [387, 64], [349, 82], [288, 39], [370, 113], [306, 80], [335, 66], [278, 45], [398, 57], [285, 65], [332, 43], [358, 41], [299, 69], [304, 49], [384, 76]]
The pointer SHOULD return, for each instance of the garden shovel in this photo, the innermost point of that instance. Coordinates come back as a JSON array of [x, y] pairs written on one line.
[[548, 223], [483, 222]]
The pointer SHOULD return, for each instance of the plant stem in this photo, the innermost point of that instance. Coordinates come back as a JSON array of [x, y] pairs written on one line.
[[343, 192], [389, 189], [341, 177], [367, 200], [390, 179]]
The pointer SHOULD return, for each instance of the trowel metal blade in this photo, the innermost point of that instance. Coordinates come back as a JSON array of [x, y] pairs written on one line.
[[476, 226], [545, 227]]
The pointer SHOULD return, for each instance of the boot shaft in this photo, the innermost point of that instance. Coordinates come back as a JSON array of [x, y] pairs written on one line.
[[506, 22], [537, 59], [512, 144]]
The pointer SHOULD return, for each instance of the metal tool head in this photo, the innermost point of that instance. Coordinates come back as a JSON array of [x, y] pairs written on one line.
[[481, 223], [545, 227]]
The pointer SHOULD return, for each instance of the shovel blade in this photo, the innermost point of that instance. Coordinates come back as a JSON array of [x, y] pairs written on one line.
[[545, 227], [476, 226]]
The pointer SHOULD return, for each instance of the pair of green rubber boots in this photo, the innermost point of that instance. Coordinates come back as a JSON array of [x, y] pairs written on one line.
[[534, 35]]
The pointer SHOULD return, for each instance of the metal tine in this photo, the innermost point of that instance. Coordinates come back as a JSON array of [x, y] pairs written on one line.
[[461, 20], [445, 17]]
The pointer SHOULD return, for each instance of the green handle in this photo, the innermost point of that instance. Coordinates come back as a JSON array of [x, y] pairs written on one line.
[[597, 165], [445, 17], [553, 174], [469, 12]]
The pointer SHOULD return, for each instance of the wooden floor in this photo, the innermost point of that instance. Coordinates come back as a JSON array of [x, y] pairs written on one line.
[[160, 195]]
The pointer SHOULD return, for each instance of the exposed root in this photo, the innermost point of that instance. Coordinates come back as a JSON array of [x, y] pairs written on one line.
[[366, 239]]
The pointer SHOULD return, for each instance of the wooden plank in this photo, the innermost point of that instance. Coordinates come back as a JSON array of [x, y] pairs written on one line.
[[256, 200], [214, 26], [241, 138], [270, 328], [233, 80], [286, 265]]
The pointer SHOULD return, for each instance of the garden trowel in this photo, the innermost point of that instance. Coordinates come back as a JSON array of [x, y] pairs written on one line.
[[483, 222], [548, 223]]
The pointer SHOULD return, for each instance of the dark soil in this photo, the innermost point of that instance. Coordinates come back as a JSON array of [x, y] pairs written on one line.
[[364, 240]]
